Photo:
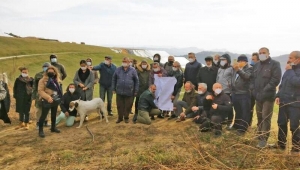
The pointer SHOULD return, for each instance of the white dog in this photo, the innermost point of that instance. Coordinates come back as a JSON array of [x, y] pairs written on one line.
[[86, 107]]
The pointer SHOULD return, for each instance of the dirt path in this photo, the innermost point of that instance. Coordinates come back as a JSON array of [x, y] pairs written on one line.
[[30, 55]]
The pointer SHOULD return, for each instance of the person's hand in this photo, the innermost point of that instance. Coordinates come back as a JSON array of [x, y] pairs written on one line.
[[197, 117], [182, 114], [288, 67], [172, 97], [215, 106], [159, 75], [236, 66], [85, 88], [277, 101], [195, 108], [81, 85], [91, 67], [209, 97], [50, 100], [67, 114]]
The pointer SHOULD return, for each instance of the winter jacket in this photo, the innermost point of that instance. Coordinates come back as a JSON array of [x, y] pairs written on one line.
[[66, 100], [289, 89], [106, 73], [36, 80], [23, 99], [61, 69], [45, 91], [143, 75], [146, 101], [208, 75], [5, 102], [241, 80], [125, 82], [191, 100], [161, 71], [224, 105], [202, 104], [89, 83], [265, 78], [179, 77], [168, 67], [225, 75], [191, 71]]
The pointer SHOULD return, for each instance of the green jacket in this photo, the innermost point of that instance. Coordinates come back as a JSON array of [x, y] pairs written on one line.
[[143, 75], [37, 77], [190, 99], [146, 101]]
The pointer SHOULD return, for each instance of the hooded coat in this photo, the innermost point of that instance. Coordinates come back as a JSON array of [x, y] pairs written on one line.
[[5, 103], [89, 83], [225, 75], [143, 75]]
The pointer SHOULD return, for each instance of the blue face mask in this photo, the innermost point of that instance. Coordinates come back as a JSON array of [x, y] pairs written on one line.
[[45, 69], [252, 63]]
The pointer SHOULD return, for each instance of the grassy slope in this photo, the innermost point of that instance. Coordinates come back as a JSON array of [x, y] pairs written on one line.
[[164, 144]]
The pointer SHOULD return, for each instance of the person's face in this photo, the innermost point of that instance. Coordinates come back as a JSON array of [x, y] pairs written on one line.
[[293, 59], [153, 89], [191, 56], [82, 65], [50, 71], [264, 51], [154, 66], [71, 86], [201, 88], [176, 65], [254, 59], [208, 62], [107, 59], [25, 71], [171, 59], [187, 87], [217, 86], [126, 61], [216, 58]]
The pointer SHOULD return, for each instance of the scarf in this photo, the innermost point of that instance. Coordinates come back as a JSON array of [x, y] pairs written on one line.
[[83, 76], [27, 81], [53, 85]]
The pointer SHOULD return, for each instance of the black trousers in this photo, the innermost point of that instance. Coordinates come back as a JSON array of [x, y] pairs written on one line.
[[124, 104], [45, 111]]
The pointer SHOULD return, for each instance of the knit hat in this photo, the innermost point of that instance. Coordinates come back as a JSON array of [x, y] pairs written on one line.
[[242, 58]]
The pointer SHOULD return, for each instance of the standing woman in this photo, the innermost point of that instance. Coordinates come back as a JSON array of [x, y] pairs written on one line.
[[22, 93], [4, 99], [49, 90], [84, 80]]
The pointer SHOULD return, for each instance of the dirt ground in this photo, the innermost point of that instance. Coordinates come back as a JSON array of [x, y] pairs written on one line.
[[165, 144]]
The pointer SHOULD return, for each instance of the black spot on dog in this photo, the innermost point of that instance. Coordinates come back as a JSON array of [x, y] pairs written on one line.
[[76, 104]]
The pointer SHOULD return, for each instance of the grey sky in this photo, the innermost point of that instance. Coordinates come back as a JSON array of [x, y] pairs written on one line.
[[235, 25]]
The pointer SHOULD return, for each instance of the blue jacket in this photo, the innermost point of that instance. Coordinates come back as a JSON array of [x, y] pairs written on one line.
[[125, 82], [106, 74], [191, 71], [289, 89]]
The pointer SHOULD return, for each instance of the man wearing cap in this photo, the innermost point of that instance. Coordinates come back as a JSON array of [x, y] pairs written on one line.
[[35, 95], [60, 67], [241, 97], [106, 70], [208, 74], [265, 78]]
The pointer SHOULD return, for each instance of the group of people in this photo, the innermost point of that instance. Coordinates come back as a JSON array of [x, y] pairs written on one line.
[[212, 93]]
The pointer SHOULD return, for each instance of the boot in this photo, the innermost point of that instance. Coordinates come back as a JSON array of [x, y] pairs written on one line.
[[21, 125], [26, 126], [54, 129], [41, 133]]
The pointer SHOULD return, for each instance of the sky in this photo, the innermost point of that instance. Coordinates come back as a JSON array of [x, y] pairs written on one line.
[[241, 26]]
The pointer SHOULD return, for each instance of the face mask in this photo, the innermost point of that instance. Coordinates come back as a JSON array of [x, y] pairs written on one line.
[[174, 68], [223, 62], [89, 63], [50, 74], [216, 61], [144, 66], [71, 90], [124, 64], [83, 68], [262, 57], [191, 60], [188, 91], [156, 69], [252, 63], [218, 91], [130, 64], [106, 62], [200, 92], [24, 75], [53, 60], [170, 62], [209, 65], [155, 59], [293, 63], [45, 69]]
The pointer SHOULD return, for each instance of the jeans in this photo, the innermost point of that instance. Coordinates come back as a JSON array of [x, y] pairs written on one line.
[[109, 94], [124, 104], [241, 104], [292, 114], [264, 111], [45, 111], [69, 120], [179, 105], [144, 118]]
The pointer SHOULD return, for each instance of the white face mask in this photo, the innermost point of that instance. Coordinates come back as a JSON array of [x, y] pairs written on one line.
[[89, 63], [130, 64], [155, 59], [208, 65], [223, 62], [83, 68], [174, 68], [191, 60], [188, 91], [216, 61], [262, 57], [200, 92], [144, 66], [156, 69], [124, 64], [106, 62], [24, 75], [218, 91], [71, 90], [53, 60]]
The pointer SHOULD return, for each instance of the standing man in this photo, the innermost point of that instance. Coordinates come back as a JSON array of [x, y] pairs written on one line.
[[106, 70], [208, 74], [60, 67], [288, 98], [254, 60], [241, 94], [169, 65], [216, 62], [125, 83], [192, 69], [266, 76], [156, 59]]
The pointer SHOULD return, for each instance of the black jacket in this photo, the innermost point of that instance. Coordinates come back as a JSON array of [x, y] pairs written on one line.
[[265, 78], [289, 89], [66, 100], [23, 99], [5, 105], [202, 103], [224, 105], [241, 81], [146, 101], [191, 71], [179, 77], [208, 75]]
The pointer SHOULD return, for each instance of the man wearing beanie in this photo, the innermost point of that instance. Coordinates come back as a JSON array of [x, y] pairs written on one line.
[[241, 97], [60, 67]]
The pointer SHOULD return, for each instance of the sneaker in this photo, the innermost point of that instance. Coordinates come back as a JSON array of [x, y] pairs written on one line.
[[261, 144]]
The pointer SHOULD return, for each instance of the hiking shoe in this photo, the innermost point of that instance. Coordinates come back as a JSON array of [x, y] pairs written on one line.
[[55, 130], [262, 144]]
